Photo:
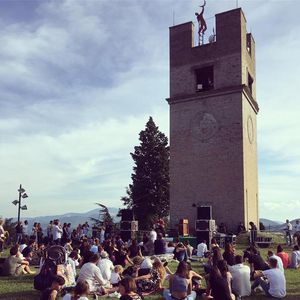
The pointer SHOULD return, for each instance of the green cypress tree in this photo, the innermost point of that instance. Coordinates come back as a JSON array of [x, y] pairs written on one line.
[[148, 195]]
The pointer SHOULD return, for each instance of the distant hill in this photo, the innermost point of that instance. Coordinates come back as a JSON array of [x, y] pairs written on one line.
[[73, 218], [270, 223]]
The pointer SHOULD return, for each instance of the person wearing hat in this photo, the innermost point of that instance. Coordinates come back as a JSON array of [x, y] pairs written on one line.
[[105, 265]]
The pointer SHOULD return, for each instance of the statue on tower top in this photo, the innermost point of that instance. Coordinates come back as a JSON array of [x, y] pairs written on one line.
[[201, 23]]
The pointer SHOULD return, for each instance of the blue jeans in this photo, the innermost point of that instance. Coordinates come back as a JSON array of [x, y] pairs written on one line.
[[263, 283]]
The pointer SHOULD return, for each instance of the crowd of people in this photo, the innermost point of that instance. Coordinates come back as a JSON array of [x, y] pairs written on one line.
[[105, 264]]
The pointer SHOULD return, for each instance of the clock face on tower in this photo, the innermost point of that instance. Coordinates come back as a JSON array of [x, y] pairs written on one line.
[[204, 126], [250, 129]]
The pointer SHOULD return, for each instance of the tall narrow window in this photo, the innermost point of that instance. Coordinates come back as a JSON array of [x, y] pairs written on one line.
[[250, 82], [205, 79]]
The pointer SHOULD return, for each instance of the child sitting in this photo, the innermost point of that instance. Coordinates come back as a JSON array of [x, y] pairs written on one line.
[[116, 275]]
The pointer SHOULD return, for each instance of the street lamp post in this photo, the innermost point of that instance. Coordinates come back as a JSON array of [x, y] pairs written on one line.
[[23, 195]]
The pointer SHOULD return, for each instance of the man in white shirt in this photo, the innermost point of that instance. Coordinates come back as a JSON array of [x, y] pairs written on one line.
[[202, 249], [275, 285], [153, 235], [279, 260], [57, 232], [92, 275], [240, 277], [105, 265]]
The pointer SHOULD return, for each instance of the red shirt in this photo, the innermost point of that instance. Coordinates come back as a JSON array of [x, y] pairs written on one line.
[[285, 259]]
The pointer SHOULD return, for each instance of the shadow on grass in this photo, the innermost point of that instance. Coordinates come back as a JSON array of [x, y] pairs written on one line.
[[32, 295]]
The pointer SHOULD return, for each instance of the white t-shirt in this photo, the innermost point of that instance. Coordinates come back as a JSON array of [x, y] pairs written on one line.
[[115, 278], [277, 282], [25, 229], [147, 263], [240, 279], [297, 227], [106, 266], [279, 262], [153, 235], [92, 275], [201, 249], [22, 247], [57, 231]]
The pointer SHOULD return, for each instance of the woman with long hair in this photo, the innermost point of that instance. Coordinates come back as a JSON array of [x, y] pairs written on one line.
[[180, 284], [229, 254], [217, 286]]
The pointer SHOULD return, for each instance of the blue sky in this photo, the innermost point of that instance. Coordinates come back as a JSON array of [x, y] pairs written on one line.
[[79, 79]]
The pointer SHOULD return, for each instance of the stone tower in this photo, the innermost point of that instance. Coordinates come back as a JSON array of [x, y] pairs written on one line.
[[213, 112]]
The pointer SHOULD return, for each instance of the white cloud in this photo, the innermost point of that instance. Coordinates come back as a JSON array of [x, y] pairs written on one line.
[[78, 80]]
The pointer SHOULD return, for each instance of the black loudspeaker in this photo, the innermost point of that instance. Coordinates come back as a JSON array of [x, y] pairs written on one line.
[[205, 225], [125, 225], [204, 235], [127, 215], [204, 213], [129, 226], [127, 235]]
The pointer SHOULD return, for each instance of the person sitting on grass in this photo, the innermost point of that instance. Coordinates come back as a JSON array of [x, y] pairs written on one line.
[[92, 275], [180, 285], [295, 258], [229, 254], [152, 281], [217, 286], [51, 293], [127, 289], [240, 278], [275, 284], [284, 256], [14, 265], [28, 251], [116, 275], [81, 292], [180, 253], [279, 261]]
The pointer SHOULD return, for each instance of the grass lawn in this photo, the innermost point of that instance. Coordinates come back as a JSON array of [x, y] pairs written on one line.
[[22, 288]]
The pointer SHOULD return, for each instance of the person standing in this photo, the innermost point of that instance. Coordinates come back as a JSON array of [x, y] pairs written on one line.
[[288, 232], [297, 233], [202, 249], [19, 231], [253, 233], [25, 230], [153, 235], [57, 232], [49, 231]]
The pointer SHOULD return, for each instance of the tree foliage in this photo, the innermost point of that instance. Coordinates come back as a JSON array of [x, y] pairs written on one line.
[[148, 195], [104, 218]]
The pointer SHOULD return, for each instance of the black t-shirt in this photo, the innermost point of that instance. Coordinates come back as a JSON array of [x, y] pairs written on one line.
[[230, 258], [159, 247], [19, 228], [26, 251], [258, 262], [46, 294]]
